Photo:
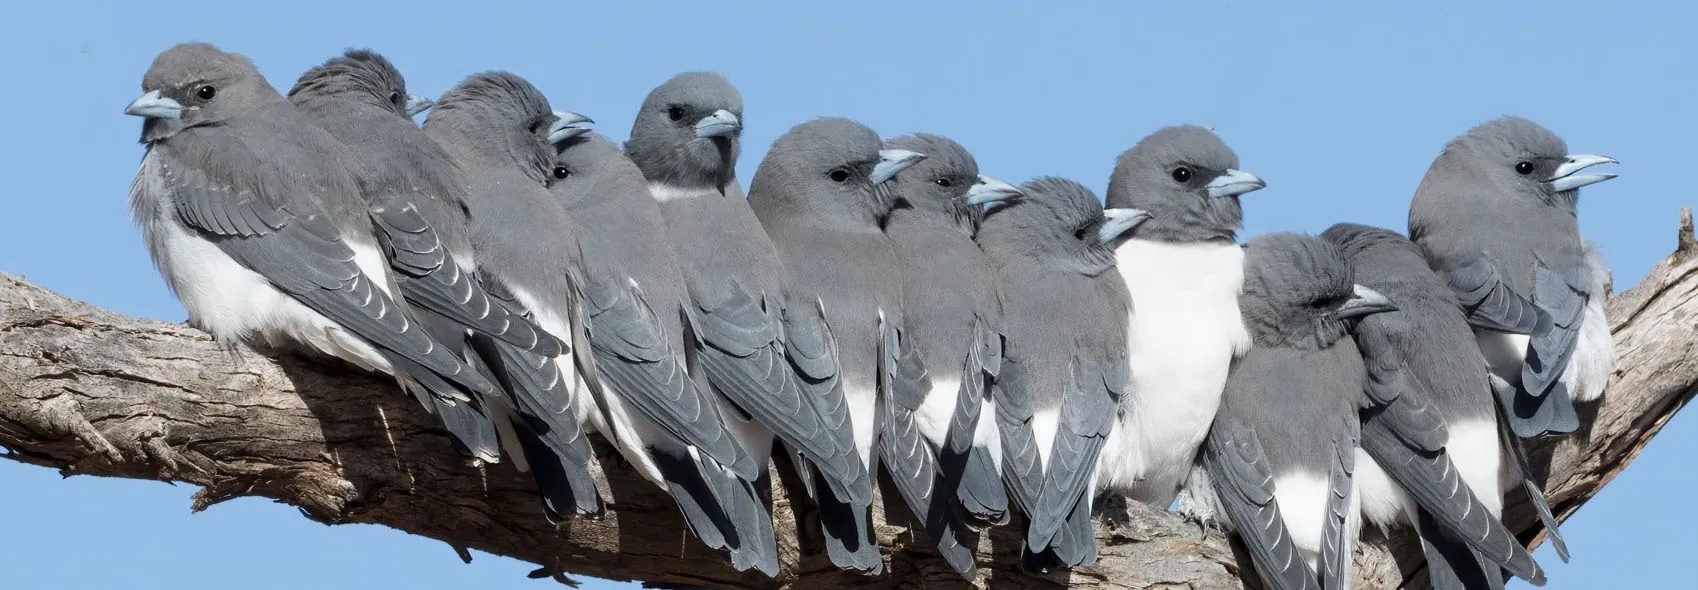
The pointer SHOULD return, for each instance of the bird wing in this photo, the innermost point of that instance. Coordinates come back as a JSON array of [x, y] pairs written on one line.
[[1088, 411], [811, 350], [431, 279], [1243, 481], [967, 468], [1529, 478], [1339, 532], [1550, 315], [303, 254], [634, 355], [903, 385], [1022, 468]]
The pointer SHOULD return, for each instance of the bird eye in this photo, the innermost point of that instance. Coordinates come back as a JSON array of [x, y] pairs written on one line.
[[675, 113], [944, 182], [1182, 175], [1524, 167], [395, 97], [839, 175], [561, 172], [206, 92]]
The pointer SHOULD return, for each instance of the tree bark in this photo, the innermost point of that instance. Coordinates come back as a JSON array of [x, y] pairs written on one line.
[[92, 392]]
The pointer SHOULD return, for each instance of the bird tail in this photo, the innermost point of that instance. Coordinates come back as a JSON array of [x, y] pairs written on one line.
[[458, 410], [965, 459], [1535, 492], [848, 529], [724, 511], [1451, 563]]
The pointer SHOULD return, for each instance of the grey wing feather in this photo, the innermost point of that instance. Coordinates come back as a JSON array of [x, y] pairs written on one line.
[[908, 459], [1022, 470], [1088, 411], [1530, 483], [1239, 471], [634, 355], [1412, 417], [1488, 300], [1338, 540], [305, 256], [811, 349], [967, 468], [434, 281], [740, 341], [1563, 300]]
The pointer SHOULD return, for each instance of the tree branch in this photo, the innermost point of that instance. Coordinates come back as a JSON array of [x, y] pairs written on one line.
[[91, 392]]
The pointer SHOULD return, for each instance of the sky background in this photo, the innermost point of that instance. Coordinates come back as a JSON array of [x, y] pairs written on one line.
[[1339, 106]]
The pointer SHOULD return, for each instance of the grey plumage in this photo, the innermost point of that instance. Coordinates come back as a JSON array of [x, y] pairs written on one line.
[[768, 355], [1281, 456], [1184, 271], [1065, 311], [818, 193], [253, 219], [1429, 400], [416, 193], [1495, 216], [498, 128], [954, 317], [624, 240]]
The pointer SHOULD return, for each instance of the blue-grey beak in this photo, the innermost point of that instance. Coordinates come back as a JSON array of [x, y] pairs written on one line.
[[1364, 301], [890, 162], [565, 126], [1233, 183], [417, 104], [154, 106], [1566, 177], [722, 123], [1116, 222], [991, 190]]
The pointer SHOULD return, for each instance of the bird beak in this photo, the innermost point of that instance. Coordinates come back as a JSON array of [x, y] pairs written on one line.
[[891, 162], [417, 104], [1364, 301], [564, 126], [1233, 183], [1116, 222], [1567, 178], [991, 190], [722, 123], [154, 106]]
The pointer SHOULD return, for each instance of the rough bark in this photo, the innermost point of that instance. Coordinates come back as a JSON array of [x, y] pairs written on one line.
[[91, 392]]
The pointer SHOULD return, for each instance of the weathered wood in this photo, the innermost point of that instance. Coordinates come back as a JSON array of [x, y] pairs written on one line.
[[91, 392]]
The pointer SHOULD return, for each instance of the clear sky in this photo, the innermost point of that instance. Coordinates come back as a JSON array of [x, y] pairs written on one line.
[[1340, 107]]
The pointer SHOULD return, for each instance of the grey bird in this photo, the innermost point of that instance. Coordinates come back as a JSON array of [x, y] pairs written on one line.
[[1431, 419], [256, 224], [416, 195], [1495, 216], [1184, 270], [624, 241], [1280, 459], [500, 130], [1066, 375], [819, 193], [770, 359], [954, 317]]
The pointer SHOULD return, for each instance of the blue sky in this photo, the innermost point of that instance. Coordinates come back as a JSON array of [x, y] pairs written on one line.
[[1339, 106]]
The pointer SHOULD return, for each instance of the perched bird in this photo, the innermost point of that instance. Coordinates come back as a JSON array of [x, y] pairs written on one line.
[[1495, 216], [1184, 270], [954, 318], [771, 360], [499, 129], [819, 193], [1066, 373], [416, 194], [624, 242], [1280, 458], [256, 224], [1431, 419]]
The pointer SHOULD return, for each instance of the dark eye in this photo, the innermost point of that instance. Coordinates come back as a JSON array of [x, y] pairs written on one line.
[[838, 175], [206, 92], [561, 172], [395, 97], [1182, 175], [675, 113], [944, 182], [1524, 167], [1079, 234]]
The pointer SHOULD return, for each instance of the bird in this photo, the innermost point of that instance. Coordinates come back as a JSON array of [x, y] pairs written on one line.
[[416, 194], [624, 241], [1495, 216], [767, 355], [1279, 461], [255, 222], [1184, 269], [501, 130], [820, 194], [1432, 419], [954, 317], [1066, 375]]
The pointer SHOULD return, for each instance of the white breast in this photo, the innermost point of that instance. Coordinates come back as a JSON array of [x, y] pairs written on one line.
[[1594, 353], [666, 192], [1185, 331]]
